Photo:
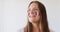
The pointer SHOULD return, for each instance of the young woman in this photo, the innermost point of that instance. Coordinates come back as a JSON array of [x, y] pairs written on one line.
[[37, 18]]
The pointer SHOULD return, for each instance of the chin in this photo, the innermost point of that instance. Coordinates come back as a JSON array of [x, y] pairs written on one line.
[[32, 21]]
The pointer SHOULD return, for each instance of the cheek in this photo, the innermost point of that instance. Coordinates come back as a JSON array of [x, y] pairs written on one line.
[[38, 13]]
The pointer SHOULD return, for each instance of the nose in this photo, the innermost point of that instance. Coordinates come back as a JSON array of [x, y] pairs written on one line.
[[31, 12]]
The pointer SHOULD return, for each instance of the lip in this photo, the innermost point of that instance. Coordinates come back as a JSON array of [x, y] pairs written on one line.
[[32, 16]]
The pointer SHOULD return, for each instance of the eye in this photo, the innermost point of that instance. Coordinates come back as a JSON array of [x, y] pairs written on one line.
[[35, 13]]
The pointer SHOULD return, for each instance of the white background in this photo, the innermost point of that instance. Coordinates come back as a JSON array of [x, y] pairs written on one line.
[[13, 14]]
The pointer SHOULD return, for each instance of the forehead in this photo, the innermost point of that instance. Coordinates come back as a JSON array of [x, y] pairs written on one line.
[[34, 5]]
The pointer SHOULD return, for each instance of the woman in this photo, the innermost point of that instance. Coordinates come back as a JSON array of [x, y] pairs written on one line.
[[37, 18]]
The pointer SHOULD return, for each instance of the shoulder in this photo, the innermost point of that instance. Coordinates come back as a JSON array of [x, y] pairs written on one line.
[[21, 30]]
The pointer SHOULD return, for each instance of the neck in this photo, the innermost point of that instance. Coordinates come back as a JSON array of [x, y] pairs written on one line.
[[36, 25]]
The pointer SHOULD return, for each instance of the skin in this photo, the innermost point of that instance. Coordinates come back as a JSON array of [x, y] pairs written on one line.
[[34, 16]]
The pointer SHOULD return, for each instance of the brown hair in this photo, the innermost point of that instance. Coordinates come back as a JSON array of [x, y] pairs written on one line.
[[44, 21]]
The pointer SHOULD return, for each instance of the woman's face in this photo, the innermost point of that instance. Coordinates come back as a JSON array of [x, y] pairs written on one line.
[[33, 13]]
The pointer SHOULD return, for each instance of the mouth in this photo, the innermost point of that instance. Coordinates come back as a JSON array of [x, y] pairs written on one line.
[[32, 16]]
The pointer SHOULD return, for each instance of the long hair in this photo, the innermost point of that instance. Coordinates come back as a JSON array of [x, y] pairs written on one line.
[[44, 21]]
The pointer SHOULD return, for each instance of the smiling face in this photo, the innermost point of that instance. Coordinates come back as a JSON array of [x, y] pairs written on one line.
[[33, 13]]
